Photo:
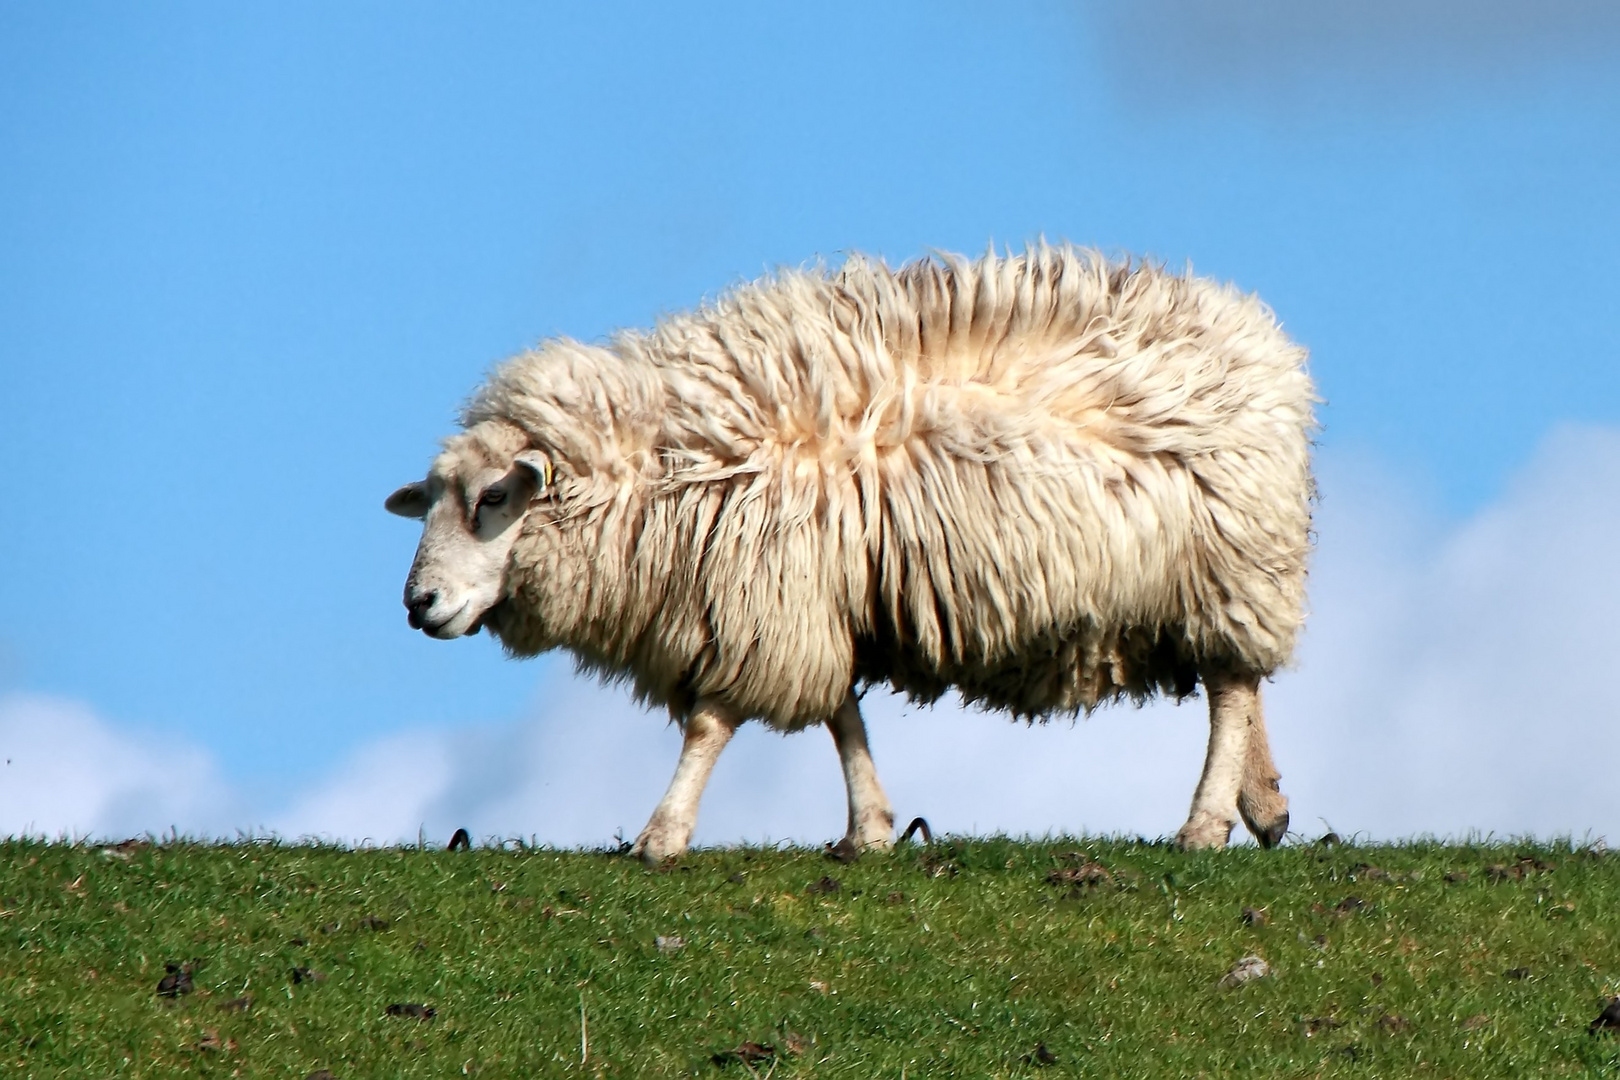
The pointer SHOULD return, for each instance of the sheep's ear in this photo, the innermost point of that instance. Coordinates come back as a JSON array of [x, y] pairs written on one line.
[[409, 501], [538, 464]]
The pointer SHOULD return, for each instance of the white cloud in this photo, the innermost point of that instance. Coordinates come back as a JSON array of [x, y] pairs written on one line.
[[66, 772], [1451, 680], [1462, 683], [379, 795]]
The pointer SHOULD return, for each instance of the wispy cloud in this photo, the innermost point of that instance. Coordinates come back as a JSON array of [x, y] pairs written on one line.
[[67, 772], [1452, 679], [1285, 55], [1460, 683]]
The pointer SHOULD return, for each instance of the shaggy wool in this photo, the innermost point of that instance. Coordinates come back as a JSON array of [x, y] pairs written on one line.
[[1046, 479]]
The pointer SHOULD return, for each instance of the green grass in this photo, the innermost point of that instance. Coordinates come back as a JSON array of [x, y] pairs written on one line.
[[956, 960]]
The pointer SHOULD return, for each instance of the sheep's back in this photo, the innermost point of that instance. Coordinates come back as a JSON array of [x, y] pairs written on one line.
[[1070, 479]]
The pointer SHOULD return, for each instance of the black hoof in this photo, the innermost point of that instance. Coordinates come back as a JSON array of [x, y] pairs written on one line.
[[1270, 838]]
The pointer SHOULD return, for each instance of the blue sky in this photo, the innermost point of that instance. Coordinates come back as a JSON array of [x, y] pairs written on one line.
[[252, 257]]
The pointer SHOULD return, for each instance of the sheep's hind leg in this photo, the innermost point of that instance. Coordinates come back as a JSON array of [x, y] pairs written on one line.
[[1233, 708], [871, 820], [1262, 805], [669, 830]]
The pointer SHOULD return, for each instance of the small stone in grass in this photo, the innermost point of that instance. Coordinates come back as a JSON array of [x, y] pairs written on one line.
[[672, 943], [124, 850], [310, 975], [1516, 973], [845, 851], [1254, 916], [1522, 867], [747, 1053], [212, 1043], [176, 982], [1041, 1056], [1245, 970], [1083, 878], [1607, 1020], [410, 1010]]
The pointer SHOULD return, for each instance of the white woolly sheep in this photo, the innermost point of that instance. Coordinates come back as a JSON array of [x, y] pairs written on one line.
[[1046, 480]]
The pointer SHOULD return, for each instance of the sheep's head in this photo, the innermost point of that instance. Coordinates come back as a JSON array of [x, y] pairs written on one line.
[[472, 505]]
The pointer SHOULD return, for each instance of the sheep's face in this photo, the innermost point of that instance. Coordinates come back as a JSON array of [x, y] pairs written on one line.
[[472, 505]]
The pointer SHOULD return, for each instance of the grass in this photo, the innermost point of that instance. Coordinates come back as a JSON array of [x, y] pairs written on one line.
[[963, 959]]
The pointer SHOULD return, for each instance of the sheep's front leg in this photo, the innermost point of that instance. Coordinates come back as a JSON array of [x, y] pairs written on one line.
[[669, 830], [1261, 803], [1234, 707], [871, 820]]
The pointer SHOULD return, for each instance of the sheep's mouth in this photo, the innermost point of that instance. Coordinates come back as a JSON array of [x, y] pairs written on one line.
[[436, 629]]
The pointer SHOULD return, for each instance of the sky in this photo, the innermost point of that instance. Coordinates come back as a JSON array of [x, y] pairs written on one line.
[[253, 257]]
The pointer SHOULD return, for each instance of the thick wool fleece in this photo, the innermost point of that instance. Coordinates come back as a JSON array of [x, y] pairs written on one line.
[[1045, 479]]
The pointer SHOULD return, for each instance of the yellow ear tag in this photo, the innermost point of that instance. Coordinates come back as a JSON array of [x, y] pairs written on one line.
[[545, 475]]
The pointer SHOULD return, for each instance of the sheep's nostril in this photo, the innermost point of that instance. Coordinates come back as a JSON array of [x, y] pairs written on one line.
[[417, 606]]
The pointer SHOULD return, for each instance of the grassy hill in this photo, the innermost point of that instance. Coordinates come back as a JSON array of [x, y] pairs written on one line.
[[966, 958]]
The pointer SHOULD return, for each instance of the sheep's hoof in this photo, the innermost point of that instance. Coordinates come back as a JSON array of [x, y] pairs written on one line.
[[1265, 815], [863, 844], [874, 833], [1204, 832], [657, 846], [1269, 835]]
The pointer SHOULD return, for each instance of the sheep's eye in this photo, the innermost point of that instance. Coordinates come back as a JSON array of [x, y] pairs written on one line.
[[492, 497]]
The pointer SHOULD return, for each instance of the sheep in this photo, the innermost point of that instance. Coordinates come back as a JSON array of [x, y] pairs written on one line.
[[1046, 480]]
